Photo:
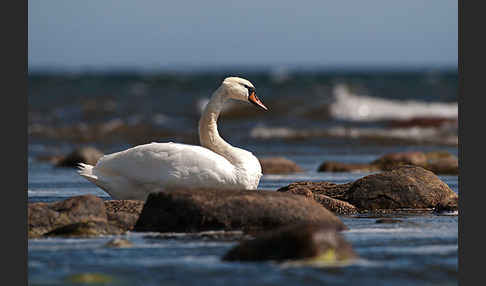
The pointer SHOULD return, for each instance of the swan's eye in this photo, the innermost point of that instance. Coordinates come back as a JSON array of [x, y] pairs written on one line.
[[250, 89]]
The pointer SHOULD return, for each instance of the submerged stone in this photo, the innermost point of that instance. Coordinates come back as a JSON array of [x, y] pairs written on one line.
[[315, 243]]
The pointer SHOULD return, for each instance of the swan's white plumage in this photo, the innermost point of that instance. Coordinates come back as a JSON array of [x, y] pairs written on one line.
[[135, 172]]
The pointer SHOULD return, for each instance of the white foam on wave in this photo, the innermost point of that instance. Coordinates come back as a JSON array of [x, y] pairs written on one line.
[[349, 106]]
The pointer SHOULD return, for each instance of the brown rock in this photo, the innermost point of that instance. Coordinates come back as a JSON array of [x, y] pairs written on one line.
[[123, 213], [442, 163], [278, 165], [87, 155], [407, 187], [45, 217], [198, 210], [307, 242], [392, 160]]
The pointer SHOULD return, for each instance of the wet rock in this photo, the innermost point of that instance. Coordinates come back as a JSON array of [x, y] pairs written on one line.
[[306, 242], [392, 160], [183, 210], [329, 195], [45, 217], [402, 188], [449, 207], [87, 155], [442, 163], [119, 243], [406, 187], [278, 165], [123, 213]]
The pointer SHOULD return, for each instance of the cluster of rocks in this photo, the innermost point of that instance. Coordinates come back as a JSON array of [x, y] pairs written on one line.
[[437, 162], [403, 188], [82, 216], [298, 222]]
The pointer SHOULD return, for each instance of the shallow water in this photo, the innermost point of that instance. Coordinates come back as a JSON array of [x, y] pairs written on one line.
[[422, 250]]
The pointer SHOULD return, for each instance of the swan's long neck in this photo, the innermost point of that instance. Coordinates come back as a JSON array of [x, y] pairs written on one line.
[[208, 129]]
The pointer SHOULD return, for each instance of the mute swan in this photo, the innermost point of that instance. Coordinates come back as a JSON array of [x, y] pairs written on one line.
[[135, 172]]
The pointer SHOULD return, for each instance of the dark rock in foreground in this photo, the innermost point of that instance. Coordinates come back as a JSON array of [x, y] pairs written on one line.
[[87, 155], [205, 209], [437, 162], [305, 242], [278, 165], [82, 216], [406, 187]]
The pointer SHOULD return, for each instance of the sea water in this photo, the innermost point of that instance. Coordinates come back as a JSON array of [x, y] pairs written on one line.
[[420, 250]]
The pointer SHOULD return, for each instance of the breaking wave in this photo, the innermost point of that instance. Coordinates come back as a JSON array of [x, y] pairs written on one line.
[[352, 107]]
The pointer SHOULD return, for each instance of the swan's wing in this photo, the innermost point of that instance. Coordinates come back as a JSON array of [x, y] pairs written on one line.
[[168, 164]]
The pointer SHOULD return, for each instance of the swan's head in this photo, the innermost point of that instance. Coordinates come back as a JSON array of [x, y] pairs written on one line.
[[241, 89]]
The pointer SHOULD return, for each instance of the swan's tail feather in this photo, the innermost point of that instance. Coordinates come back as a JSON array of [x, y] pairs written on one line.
[[86, 171]]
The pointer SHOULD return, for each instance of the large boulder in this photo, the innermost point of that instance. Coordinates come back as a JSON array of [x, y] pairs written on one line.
[[308, 243], [278, 165], [190, 210], [406, 187], [87, 155]]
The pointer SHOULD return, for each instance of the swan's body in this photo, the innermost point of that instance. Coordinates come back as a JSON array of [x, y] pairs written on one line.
[[133, 173]]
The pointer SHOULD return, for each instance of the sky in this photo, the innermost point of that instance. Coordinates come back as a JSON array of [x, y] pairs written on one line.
[[150, 34]]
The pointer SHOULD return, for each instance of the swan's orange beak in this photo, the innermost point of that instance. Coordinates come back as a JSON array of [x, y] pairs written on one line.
[[254, 99]]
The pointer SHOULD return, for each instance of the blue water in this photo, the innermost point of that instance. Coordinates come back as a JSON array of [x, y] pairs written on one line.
[[422, 250]]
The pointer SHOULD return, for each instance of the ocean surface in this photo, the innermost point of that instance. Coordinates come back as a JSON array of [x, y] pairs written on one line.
[[109, 110]]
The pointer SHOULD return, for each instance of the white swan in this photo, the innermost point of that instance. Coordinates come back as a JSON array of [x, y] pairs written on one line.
[[134, 173]]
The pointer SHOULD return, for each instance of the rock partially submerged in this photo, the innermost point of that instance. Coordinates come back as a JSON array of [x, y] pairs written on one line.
[[119, 243], [87, 155], [278, 165], [185, 210], [82, 216], [308, 243], [437, 162], [46, 217], [406, 187]]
